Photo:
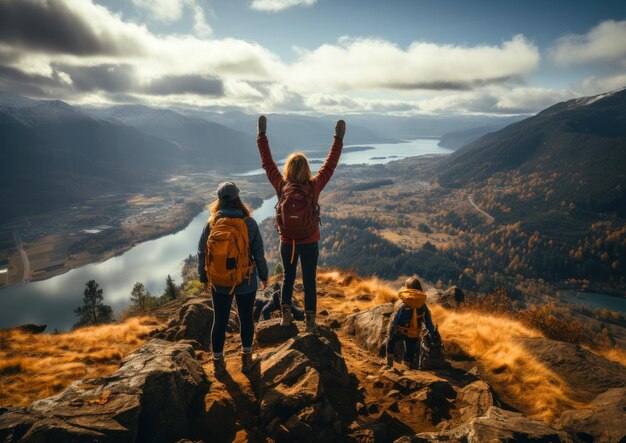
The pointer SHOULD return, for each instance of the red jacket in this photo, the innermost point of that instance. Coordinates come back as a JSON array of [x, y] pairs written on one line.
[[319, 181]]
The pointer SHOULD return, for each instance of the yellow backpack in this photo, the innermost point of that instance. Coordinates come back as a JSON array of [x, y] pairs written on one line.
[[227, 259], [414, 299]]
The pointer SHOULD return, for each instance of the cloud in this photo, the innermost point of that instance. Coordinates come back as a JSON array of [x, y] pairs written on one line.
[[70, 27], [374, 64], [108, 77], [171, 11], [604, 43], [279, 5], [596, 85], [496, 100], [185, 84]]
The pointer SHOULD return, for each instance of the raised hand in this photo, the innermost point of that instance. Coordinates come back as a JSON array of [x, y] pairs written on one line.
[[340, 130], [261, 125]]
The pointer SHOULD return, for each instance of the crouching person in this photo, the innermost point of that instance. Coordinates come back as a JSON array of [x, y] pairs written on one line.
[[407, 321], [230, 256]]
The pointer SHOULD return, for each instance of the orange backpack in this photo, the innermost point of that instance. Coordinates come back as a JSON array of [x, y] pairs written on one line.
[[413, 299], [227, 258]]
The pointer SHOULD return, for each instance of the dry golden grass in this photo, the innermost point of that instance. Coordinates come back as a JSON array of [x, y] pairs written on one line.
[[34, 366], [491, 340], [507, 364], [618, 355], [354, 285]]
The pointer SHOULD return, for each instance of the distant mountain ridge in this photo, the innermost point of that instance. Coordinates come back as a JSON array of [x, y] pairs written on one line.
[[578, 146]]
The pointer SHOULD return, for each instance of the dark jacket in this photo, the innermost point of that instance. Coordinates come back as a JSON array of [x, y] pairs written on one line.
[[402, 317], [257, 254], [319, 181]]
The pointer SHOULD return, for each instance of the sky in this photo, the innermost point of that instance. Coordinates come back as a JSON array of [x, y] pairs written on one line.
[[401, 57]]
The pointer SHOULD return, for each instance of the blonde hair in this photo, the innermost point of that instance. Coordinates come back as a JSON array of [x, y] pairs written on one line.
[[218, 205], [297, 169]]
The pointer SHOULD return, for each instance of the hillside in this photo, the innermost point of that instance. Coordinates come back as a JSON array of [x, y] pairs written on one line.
[[54, 155], [203, 144], [504, 381], [575, 150]]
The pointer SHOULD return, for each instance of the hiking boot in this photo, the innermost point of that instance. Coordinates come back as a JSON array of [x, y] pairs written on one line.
[[389, 363], [287, 318], [219, 366], [310, 324], [248, 361]]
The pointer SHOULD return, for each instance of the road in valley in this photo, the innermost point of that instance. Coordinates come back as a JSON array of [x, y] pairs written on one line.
[[471, 200]]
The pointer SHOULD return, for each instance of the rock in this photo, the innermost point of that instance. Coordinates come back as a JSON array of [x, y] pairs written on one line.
[[32, 329], [370, 327], [573, 364], [452, 297], [270, 332], [155, 395], [190, 321], [412, 381], [478, 396], [497, 425], [334, 324], [295, 380], [324, 312], [366, 431], [604, 421]]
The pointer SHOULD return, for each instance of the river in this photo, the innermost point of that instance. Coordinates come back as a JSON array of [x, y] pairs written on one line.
[[53, 301]]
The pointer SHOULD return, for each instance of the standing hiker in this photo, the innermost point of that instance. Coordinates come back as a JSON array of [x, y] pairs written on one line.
[[407, 321], [230, 255], [297, 217]]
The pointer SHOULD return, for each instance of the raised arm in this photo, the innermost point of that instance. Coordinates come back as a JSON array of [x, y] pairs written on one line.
[[326, 171], [272, 171]]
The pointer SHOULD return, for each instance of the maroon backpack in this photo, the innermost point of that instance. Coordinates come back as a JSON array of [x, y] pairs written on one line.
[[297, 212]]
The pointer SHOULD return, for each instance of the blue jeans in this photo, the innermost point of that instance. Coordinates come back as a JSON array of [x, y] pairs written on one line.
[[308, 255]]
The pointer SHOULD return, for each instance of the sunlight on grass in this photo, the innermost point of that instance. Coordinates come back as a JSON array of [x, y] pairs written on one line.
[[34, 366]]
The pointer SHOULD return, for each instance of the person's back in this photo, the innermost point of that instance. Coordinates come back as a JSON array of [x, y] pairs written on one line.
[[229, 273], [407, 321], [297, 217]]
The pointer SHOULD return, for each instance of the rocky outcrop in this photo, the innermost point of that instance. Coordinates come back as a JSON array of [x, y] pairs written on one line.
[[586, 373], [452, 297], [190, 318], [154, 396], [296, 381], [369, 328], [602, 421], [270, 332], [497, 425]]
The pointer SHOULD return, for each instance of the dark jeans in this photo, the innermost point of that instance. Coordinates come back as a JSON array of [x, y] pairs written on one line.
[[272, 306], [412, 347], [221, 313], [308, 255]]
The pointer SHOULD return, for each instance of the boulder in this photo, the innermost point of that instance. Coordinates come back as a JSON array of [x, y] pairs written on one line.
[[295, 380], [155, 395], [452, 297], [497, 425], [370, 327], [475, 399], [270, 332], [190, 321], [602, 421], [32, 329]]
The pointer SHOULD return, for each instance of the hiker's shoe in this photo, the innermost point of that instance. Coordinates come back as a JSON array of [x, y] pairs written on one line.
[[309, 320], [389, 363], [287, 316], [248, 361], [219, 366]]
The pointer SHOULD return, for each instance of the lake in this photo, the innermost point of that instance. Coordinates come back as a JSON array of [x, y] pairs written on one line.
[[594, 300], [53, 301]]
